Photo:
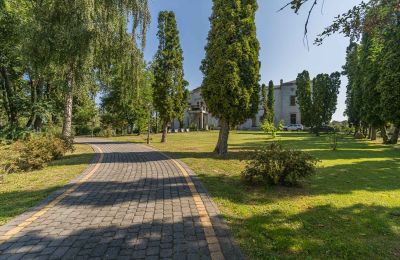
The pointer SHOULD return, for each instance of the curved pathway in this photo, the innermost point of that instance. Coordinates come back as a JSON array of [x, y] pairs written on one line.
[[132, 203]]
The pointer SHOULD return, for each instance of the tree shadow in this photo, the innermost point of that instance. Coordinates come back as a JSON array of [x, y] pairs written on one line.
[[162, 238], [322, 232], [338, 179]]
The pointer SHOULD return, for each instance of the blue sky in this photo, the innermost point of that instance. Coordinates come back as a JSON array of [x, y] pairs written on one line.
[[283, 52]]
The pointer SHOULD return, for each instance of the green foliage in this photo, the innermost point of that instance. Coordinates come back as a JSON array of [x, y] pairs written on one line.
[[268, 127], [33, 153], [271, 101], [276, 165], [37, 151], [353, 94], [304, 97], [56, 52], [170, 95], [317, 103], [325, 92], [268, 101], [231, 66], [390, 78]]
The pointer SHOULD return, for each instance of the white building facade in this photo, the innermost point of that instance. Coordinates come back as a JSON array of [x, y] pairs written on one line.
[[286, 108]]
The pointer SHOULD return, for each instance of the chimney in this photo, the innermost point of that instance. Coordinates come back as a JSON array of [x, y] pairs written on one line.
[[281, 82]]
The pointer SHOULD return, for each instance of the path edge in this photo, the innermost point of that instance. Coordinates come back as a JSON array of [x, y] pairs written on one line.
[[19, 219], [229, 247]]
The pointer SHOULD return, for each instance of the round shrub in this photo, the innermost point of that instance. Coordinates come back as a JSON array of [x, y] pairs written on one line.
[[275, 165]]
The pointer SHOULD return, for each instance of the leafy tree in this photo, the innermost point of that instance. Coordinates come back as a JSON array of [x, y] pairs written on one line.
[[170, 95], [77, 39], [53, 51], [304, 97], [231, 67], [325, 89]]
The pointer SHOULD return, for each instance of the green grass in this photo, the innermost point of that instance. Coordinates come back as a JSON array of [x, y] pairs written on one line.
[[350, 209], [20, 191]]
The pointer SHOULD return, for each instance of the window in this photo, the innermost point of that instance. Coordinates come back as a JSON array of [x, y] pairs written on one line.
[[293, 119], [292, 100]]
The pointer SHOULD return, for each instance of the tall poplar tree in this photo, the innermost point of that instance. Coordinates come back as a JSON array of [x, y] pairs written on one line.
[[389, 83], [231, 67], [271, 102], [353, 101], [304, 97], [170, 94], [264, 100]]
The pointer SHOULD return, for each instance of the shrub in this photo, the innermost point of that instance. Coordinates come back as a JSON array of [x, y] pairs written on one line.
[[37, 151], [8, 159], [275, 165], [269, 128]]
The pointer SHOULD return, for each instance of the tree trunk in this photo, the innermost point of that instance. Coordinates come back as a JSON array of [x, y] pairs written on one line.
[[222, 145], [369, 132], [164, 133], [395, 136], [373, 133], [68, 101], [9, 98], [384, 135]]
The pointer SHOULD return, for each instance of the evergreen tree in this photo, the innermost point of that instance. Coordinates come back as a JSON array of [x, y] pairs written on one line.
[[170, 95], [231, 67], [264, 101], [304, 97], [352, 70], [370, 72], [271, 102], [389, 82]]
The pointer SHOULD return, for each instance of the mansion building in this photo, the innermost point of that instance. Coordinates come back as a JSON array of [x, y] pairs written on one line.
[[287, 110]]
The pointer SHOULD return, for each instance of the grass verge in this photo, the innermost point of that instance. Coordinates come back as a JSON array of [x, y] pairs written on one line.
[[20, 191], [349, 210]]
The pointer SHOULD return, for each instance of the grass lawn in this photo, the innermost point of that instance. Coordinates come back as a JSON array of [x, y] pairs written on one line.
[[20, 191], [350, 209]]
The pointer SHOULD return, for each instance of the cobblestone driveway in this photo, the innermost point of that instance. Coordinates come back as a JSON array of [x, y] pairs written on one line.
[[131, 203]]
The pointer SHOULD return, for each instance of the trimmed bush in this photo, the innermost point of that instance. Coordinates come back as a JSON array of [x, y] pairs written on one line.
[[275, 165], [33, 153]]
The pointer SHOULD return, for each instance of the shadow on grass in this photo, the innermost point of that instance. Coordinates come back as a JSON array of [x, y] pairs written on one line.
[[322, 232], [371, 176], [17, 202]]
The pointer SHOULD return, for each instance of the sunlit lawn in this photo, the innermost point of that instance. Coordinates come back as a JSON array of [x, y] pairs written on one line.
[[20, 191], [350, 209]]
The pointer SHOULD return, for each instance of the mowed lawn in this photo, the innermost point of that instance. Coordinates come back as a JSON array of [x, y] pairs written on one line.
[[350, 209], [21, 191]]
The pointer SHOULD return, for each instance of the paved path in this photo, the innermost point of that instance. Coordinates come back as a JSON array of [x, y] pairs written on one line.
[[131, 203]]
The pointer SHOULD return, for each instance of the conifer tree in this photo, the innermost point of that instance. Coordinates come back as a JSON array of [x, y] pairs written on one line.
[[231, 67], [271, 102], [304, 97], [352, 71], [169, 95], [389, 83], [264, 101]]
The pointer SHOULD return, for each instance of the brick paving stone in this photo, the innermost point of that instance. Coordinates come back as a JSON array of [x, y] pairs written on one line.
[[136, 205]]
